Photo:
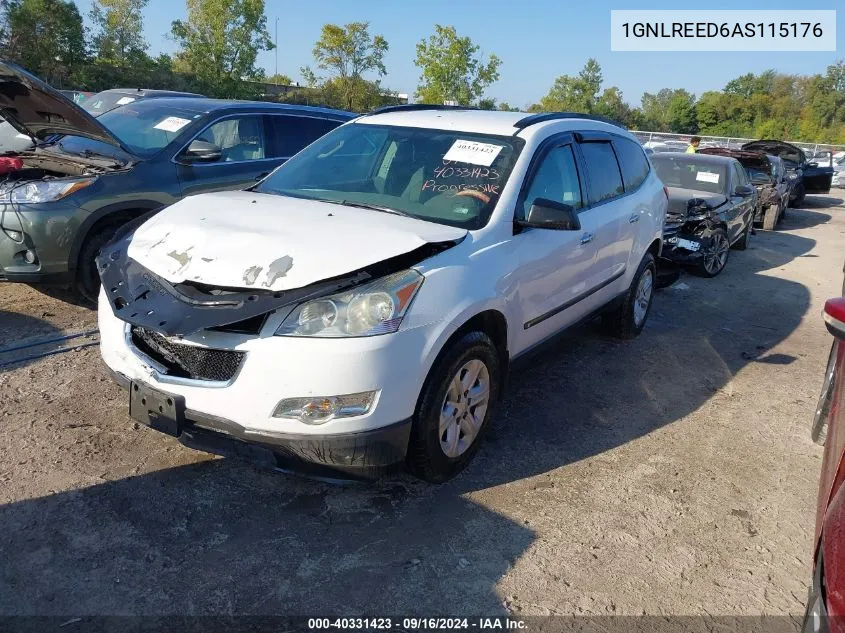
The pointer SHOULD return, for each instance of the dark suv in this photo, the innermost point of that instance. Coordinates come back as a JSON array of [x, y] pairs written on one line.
[[90, 176]]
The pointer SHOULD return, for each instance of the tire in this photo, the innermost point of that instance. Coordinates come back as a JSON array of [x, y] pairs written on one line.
[[717, 247], [781, 213], [800, 194], [627, 320], [87, 276], [430, 455], [744, 240], [771, 217]]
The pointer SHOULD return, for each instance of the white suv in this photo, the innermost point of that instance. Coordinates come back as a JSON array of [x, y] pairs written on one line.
[[359, 307]]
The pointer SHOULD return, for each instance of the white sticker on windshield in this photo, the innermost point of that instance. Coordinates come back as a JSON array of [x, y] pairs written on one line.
[[473, 152], [125, 100], [172, 124], [707, 176]]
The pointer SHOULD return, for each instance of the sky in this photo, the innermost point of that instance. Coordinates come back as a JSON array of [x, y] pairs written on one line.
[[537, 40]]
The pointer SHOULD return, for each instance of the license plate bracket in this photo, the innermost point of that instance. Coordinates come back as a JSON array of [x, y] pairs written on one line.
[[161, 411]]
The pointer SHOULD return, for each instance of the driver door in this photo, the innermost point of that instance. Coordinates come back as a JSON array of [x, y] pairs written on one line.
[[554, 265], [244, 156]]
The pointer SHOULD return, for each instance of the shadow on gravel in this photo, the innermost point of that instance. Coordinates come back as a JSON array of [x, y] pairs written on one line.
[[222, 537], [17, 330], [65, 294]]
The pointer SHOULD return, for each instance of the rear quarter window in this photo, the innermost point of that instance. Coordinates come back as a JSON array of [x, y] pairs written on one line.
[[633, 162]]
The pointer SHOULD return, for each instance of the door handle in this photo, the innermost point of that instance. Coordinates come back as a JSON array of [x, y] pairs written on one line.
[[634, 218], [586, 238]]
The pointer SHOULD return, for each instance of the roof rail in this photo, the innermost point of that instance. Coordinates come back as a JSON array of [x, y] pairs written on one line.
[[540, 117], [410, 107]]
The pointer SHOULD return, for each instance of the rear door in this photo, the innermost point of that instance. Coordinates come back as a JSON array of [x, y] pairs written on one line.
[[288, 134], [609, 212], [818, 174], [243, 140], [635, 170]]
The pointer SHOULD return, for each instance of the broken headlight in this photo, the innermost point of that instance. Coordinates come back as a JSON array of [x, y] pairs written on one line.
[[45, 190], [368, 310]]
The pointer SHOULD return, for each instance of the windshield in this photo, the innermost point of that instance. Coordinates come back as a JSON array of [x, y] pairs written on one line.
[[452, 178], [683, 171], [147, 126], [102, 102]]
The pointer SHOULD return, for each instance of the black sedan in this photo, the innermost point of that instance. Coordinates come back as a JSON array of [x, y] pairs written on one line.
[[711, 209]]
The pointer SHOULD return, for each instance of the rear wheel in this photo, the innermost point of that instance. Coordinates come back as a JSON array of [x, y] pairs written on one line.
[[714, 251], [87, 276], [628, 319], [454, 409], [771, 217]]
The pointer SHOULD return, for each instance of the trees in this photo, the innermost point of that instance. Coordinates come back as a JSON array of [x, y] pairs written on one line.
[[44, 36], [220, 41], [349, 52], [451, 68], [120, 30]]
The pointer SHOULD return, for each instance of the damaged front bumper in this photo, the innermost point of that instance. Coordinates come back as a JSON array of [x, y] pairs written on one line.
[[682, 246], [233, 414], [36, 241]]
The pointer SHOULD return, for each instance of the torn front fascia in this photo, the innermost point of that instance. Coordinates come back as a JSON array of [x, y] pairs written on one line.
[[140, 297]]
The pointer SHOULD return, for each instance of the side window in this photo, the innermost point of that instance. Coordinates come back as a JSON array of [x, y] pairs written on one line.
[[239, 138], [739, 176], [633, 162], [556, 179], [603, 170], [290, 134]]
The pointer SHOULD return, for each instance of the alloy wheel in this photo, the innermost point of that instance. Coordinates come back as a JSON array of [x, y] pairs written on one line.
[[464, 408], [716, 254], [642, 298]]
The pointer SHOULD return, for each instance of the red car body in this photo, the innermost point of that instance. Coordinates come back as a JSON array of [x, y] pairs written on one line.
[[826, 606]]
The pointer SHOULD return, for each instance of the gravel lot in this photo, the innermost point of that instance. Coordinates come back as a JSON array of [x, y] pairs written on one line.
[[670, 475]]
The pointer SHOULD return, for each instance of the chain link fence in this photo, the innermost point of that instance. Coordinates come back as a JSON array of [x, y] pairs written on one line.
[[732, 142]]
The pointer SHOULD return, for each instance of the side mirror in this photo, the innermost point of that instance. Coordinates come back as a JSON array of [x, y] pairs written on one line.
[[744, 191], [201, 152], [548, 214]]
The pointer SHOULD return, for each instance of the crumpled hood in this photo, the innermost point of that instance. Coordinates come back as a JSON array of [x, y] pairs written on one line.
[[241, 239], [786, 151], [680, 201]]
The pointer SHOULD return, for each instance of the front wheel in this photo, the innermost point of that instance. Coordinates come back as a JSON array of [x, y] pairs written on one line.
[[87, 275], [714, 253], [454, 409], [628, 319]]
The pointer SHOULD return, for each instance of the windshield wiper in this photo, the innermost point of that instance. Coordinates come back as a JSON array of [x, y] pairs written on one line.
[[372, 207]]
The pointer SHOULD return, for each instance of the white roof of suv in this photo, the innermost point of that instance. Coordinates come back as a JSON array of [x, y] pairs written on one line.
[[478, 121]]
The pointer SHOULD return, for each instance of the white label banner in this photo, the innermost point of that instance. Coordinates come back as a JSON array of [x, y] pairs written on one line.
[[723, 30]]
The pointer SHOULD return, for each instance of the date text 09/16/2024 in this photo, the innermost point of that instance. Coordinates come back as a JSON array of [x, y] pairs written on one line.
[[416, 624]]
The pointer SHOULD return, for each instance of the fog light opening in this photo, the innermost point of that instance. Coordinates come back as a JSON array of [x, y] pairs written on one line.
[[321, 409], [30, 257]]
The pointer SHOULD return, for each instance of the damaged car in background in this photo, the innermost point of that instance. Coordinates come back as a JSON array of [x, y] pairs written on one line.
[[80, 178], [803, 175], [358, 309], [767, 174], [711, 209]]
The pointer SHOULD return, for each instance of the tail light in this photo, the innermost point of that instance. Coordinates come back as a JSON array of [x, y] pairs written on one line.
[[834, 316]]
